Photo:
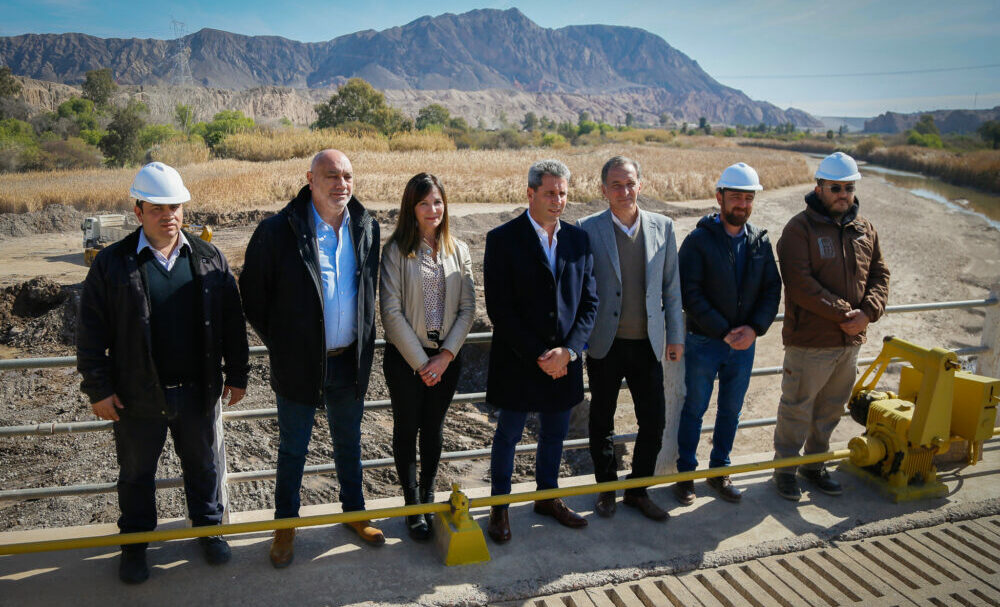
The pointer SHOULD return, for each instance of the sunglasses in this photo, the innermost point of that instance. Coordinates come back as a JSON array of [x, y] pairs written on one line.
[[835, 188]]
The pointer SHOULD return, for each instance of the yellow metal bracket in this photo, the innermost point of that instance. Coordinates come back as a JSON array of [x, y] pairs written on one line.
[[459, 539]]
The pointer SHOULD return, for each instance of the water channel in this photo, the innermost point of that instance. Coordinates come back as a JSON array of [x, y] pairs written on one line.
[[958, 198]]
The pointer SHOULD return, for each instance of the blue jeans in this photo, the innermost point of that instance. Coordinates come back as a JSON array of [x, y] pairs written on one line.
[[704, 359], [295, 423], [548, 456]]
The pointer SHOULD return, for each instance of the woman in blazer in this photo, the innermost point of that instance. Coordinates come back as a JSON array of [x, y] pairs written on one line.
[[428, 304]]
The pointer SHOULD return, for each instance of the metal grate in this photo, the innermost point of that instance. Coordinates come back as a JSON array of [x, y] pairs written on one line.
[[955, 564]]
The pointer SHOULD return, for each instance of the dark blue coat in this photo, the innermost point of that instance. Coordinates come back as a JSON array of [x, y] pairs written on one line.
[[532, 312], [712, 301]]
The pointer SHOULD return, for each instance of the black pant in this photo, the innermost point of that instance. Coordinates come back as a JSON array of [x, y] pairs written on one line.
[[417, 408], [632, 359], [139, 443]]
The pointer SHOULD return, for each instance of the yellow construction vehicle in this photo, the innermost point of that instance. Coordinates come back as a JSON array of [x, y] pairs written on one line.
[[937, 405], [101, 230]]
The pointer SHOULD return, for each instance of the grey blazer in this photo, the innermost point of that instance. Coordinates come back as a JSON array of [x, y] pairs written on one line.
[[401, 298], [665, 318]]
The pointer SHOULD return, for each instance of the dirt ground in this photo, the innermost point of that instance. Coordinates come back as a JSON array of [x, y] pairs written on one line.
[[934, 255]]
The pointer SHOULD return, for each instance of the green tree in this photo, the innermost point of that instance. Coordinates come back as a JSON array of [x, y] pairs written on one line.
[[98, 86], [704, 126], [184, 117], [80, 111], [358, 101], [433, 114], [829, 134], [459, 124], [583, 116], [928, 140], [9, 86], [225, 123], [586, 126], [990, 132], [121, 145], [629, 119], [664, 119], [530, 122], [154, 134], [926, 126]]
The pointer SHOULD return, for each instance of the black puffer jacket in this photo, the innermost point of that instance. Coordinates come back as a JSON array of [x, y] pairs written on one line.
[[113, 343], [712, 302], [282, 288]]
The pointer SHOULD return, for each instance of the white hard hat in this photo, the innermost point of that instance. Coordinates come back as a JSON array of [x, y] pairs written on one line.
[[838, 166], [159, 184], [739, 176]]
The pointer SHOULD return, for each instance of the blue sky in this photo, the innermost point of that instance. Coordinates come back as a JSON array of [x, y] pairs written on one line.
[[829, 58]]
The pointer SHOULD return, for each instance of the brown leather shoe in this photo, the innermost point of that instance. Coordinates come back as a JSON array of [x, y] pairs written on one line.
[[605, 505], [499, 525], [646, 506], [561, 512], [282, 550], [368, 533], [723, 485], [684, 492]]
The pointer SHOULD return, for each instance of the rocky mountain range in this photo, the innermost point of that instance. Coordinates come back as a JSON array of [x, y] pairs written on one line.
[[482, 50], [947, 121]]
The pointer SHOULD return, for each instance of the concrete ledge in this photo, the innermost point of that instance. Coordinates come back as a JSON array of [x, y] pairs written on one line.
[[332, 567]]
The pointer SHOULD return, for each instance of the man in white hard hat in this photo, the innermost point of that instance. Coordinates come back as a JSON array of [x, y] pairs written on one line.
[[161, 337], [731, 291], [836, 283], [308, 287], [639, 323]]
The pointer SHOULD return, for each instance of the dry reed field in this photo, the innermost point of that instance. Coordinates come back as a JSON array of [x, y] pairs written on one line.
[[669, 173]]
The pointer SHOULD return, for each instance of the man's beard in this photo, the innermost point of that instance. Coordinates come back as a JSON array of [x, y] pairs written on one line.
[[736, 220]]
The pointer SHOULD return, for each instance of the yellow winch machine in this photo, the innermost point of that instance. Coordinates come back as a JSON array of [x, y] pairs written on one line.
[[937, 405]]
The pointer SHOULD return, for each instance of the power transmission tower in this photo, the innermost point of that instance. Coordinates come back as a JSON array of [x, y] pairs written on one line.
[[180, 72]]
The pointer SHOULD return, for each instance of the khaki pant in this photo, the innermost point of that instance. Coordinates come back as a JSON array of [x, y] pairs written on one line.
[[816, 385]]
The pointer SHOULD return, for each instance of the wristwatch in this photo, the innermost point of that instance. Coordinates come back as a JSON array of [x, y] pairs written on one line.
[[572, 355]]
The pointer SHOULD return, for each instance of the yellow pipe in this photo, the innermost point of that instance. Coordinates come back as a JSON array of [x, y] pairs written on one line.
[[632, 483], [347, 517]]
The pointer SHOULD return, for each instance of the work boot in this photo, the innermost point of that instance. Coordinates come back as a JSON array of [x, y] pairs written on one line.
[[132, 568], [416, 524], [499, 526], [723, 485], [786, 486], [282, 548], [684, 492], [371, 535], [216, 549], [822, 480], [646, 506], [605, 505]]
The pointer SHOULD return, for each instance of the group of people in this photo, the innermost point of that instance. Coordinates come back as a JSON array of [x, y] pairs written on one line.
[[162, 334]]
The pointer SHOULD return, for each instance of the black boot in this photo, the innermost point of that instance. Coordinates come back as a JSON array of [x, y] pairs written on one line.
[[415, 523], [427, 497]]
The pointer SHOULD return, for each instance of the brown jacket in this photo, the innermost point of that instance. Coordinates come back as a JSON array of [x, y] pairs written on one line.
[[829, 268]]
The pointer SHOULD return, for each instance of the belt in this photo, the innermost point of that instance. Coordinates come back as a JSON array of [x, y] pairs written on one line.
[[184, 384], [435, 336], [331, 353]]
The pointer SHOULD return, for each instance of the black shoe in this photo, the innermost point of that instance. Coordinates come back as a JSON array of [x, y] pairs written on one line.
[[427, 497], [684, 492], [419, 529], [787, 487], [216, 549], [723, 485], [132, 568], [646, 506], [822, 480]]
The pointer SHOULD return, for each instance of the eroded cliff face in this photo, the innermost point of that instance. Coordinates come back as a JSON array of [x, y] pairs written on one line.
[[947, 121], [270, 104], [610, 70]]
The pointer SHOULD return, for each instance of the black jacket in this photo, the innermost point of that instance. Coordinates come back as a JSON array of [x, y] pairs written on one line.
[[712, 302], [532, 312], [113, 344], [282, 297]]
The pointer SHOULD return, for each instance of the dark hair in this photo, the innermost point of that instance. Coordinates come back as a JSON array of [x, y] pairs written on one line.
[[619, 161], [407, 232]]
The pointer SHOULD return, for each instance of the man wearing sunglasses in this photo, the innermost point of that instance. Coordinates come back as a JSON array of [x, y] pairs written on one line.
[[836, 282]]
